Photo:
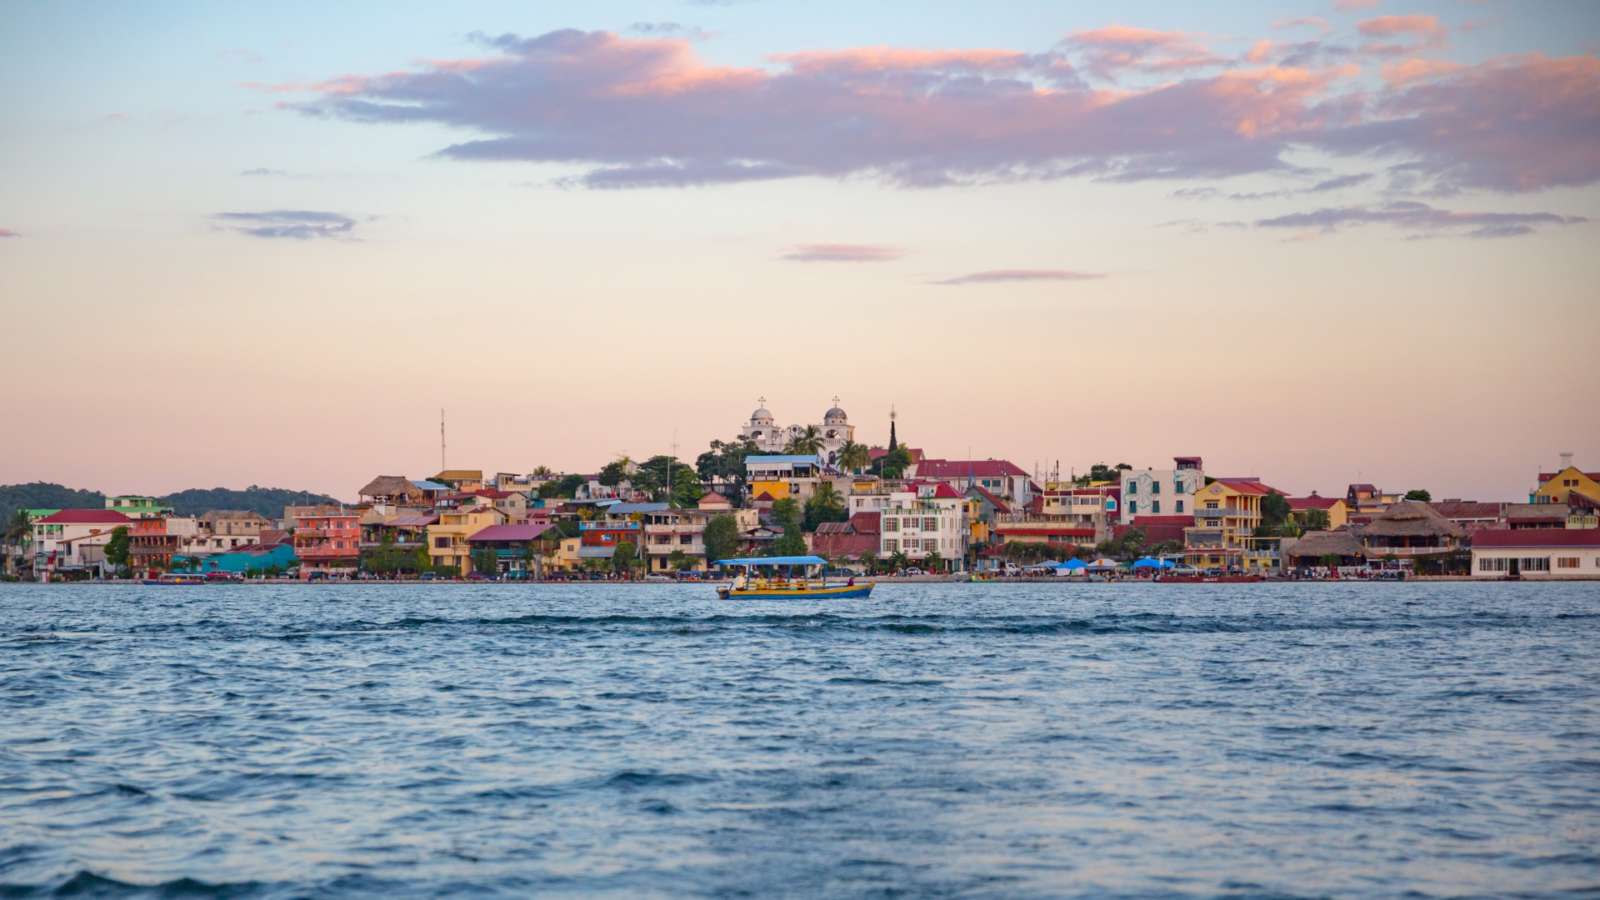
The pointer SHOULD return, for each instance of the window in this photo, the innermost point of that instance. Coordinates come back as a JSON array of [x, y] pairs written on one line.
[[1536, 564], [1179, 506], [1155, 507], [1155, 487], [1566, 562], [930, 524], [1133, 507], [1133, 487], [930, 546], [1494, 564], [891, 524], [890, 545], [441, 542]]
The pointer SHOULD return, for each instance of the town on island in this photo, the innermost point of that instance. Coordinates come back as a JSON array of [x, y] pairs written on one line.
[[814, 490]]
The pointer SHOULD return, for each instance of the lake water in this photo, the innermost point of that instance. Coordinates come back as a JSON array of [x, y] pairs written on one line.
[[987, 740]]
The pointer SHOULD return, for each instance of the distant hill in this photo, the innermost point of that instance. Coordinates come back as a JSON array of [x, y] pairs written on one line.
[[268, 502]]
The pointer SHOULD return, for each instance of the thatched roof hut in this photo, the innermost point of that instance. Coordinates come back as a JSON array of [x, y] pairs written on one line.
[[1410, 525], [1313, 546], [396, 489]]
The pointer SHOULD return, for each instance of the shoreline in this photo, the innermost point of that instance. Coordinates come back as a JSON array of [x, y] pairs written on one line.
[[915, 579]]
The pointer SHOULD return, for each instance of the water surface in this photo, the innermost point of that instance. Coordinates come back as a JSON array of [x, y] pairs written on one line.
[[987, 740]]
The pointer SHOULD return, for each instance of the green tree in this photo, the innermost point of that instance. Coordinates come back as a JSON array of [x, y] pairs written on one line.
[[485, 562], [680, 561], [615, 472], [117, 548], [18, 527], [824, 505], [542, 473], [933, 562], [565, 487], [869, 562], [807, 443], [625, 557], [1419, 494], [854, 457], [721, 539], [898, 560], [792, 543], [724, 464], [1316, 520], [894, 463], [1274, 512]]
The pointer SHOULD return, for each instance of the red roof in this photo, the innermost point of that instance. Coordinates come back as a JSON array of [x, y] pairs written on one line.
[[1249, 486], [946, 492], [961, 468], [1000, 506], [1536, 537], [866, 522], [1466, 509], [86, 517], [1314, 502], [524, 532], [1546, 476], [1143, 521], [1046, 531]]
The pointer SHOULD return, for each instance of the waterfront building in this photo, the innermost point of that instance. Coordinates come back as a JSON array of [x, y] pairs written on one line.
[[1410, 530], [73, 540], [1226, 516], [682, 532], [225, 529], [926, 522], [156, 542], [518, 548], [1064, 516], [251, 560], [1536, 554], [327, 540], [1336, 508], [1161, 492], [771, 438], [1558, 486], [1366, 502], [449, 538], [1471, 514], [405, 529], [850, 541], [1334, 549]]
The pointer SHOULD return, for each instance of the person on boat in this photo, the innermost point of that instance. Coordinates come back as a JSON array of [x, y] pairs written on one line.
[[739, 581]]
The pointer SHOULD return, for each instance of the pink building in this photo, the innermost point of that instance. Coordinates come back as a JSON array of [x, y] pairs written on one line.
[[327, 539]]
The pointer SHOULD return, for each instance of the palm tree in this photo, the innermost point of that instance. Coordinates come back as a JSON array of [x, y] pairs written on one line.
[[808, 442], [854, 457], [542, 472]]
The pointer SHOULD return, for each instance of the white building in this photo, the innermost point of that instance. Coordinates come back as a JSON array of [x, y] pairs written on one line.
[[1536, 553], [1162, 492], [919, 521], [74, 539], [770, 437]]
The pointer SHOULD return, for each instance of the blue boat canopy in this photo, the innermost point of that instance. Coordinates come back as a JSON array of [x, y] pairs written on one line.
[[1074, 564], [774, 561]]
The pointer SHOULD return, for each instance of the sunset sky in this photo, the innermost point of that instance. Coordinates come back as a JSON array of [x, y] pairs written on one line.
[[1316, 242]]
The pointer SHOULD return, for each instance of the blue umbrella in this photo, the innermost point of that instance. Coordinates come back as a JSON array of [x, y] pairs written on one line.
[[1147, 563], [1074, 564]]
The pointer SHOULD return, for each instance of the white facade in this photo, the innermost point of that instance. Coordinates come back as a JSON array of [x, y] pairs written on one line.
[[918, 523], [1161, 492], [71, 545], [1537, 563], [770, 437]]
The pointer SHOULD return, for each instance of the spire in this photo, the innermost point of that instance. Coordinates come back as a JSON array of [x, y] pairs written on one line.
[[893, 443]]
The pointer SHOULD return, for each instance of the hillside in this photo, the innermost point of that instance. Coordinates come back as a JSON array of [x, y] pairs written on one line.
[[268, 502]]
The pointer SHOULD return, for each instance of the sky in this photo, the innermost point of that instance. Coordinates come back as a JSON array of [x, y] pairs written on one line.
[[1318, 242]]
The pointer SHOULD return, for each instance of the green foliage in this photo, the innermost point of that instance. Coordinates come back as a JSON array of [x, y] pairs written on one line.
[[485, 562], [894, 463], [1274, 513], [18, 527], [1131, 545], [724, 464], [613, 473], [933, 562], [680, 561], [1419, 494], [869, 561], [721, 538], [1101, 472], [565, 487], [824, 506], [808, 443], [268, 502], [625, 557], [1315, 520], [854, 457], [1025, 552], [792, 543], [117, 547], [652, 479]]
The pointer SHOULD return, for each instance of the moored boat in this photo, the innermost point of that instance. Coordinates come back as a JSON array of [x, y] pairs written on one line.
[[787, 578], [175, 578]]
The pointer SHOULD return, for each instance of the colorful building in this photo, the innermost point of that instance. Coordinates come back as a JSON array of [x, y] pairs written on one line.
[[1557, 486], [1161, 492], [1336, 509], [449, 539], [327, 540], [73, 540], [1226, 516], [1536, 554], [518, 548]]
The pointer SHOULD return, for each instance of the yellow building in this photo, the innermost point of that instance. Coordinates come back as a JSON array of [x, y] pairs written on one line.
[[1556, 487], [1227, 513], [447, 539], [1337, 509]]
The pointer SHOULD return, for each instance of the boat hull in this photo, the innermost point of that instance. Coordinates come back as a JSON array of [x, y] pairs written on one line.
[[840, 592]]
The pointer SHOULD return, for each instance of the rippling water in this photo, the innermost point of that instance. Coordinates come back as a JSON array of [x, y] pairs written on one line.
[[998, 740]]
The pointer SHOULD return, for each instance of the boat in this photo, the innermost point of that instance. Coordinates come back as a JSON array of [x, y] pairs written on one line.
[[175, 578], [787, 578]]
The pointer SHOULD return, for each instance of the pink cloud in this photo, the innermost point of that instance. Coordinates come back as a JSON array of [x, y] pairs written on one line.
[[8, 233], [997, 276], [1260, 52], [1399, 74], [648, 112], [1115, 49], [841, 253], [1423, 31]]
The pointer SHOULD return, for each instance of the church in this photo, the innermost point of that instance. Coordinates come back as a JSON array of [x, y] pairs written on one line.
[[835, 431]]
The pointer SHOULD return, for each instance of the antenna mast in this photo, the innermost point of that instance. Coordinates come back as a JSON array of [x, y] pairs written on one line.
[[442, 465]]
